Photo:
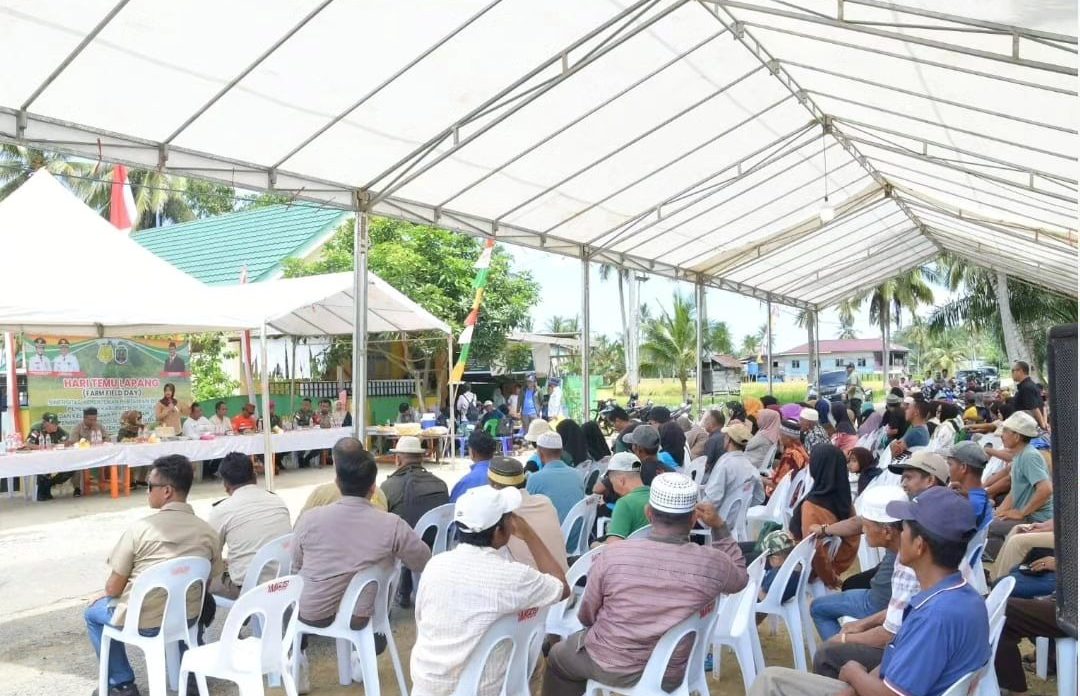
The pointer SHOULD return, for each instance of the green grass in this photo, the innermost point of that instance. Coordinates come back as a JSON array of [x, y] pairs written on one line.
[[667, 392]]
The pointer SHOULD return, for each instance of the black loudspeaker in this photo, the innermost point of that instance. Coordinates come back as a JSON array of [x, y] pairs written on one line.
[[1061, 358]]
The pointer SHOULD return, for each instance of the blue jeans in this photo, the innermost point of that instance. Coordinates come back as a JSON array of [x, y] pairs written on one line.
[[827, 610], [99, 614], [1032, 586]]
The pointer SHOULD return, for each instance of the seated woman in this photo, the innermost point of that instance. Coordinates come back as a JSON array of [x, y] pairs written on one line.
[[672, 445], [793, 457], [844, 435], [828, 502], [861, 461], [595, 442], [766, 439], [949, 426], [573, 440]]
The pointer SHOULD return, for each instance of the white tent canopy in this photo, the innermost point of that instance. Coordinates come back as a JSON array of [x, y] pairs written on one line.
[[696, 140], [322, 305], [68, 271]]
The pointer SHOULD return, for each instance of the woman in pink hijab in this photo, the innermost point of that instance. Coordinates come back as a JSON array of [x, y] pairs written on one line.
[[765, 440]]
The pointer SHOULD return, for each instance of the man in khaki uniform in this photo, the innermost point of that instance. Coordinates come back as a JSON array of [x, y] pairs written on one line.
[[87, 427], [174, 531], [247, 520]]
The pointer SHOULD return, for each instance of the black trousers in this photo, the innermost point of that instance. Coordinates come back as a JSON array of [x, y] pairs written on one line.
[[831, 657], [45, 482], [1024, 618], [859, 581]]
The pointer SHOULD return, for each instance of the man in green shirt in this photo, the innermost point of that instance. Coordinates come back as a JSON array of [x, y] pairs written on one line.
[[853, 390], [1030, 497], [624, 473], [46, 434]]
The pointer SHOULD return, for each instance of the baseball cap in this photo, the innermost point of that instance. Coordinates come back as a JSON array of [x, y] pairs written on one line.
[[660, 414], [674, 493], [549, 440], [624, 461], [489, 402], [894, 400], [940, 511], [875, 501], [968, 453], [408, 445], [809, 414], [776, 542], [644, 436], [50, 418], [482, 507], [1022, 424], [929, 462], [506, 471], [739, 432]]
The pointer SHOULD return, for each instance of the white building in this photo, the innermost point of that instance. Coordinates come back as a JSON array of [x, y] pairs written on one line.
[[864, 353]]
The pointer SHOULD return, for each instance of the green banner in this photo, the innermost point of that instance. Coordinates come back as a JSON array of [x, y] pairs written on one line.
[[67, 374]]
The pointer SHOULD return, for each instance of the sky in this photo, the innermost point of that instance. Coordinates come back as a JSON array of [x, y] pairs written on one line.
[[560, 295]]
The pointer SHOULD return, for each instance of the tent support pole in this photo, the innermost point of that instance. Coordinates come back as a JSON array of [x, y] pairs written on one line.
[[360, 307], [264, 380], [585, 395], [768, 345], [451, 415], [702, 323], [817, 352]]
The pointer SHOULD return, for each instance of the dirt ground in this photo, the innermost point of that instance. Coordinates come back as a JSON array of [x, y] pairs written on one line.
[[54, 564]]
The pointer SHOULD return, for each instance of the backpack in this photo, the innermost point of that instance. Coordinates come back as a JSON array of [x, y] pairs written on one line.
[[423, 492], [472, 413]]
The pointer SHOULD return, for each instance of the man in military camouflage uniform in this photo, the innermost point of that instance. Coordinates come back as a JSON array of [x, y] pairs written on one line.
[[305, 418], [49, 430]]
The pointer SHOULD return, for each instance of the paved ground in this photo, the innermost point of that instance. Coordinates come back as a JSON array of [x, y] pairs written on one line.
[[54, 563]]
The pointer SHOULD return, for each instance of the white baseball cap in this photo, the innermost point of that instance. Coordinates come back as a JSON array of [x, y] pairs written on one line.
[[674, 493], [624, 461], [1022, 423], [874, 501], [482, 507], [549, 440]]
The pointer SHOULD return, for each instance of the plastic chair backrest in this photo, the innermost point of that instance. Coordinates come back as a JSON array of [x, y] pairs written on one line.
[[799, 557], [581, 518], [381, 577], [964, 685], [696, 470], [995, 609], [973, 557], [562, 609], [640, 533], [521, 630], [492, 427], [700, 624], [774, 508], [735, 611], [770, 458], [270, 601], [734, 512], [442, 519], [175, 577], [277, 553]]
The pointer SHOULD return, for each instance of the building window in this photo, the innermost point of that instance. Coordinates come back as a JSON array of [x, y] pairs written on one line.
[[861, 362], [795, 364], [838, 362]]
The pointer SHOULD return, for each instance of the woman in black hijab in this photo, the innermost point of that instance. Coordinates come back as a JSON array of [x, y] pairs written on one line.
[[573, 440], [828, 502], [595, 442], [673, 441]]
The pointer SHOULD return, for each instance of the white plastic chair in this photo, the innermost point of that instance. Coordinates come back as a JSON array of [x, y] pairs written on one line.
[[524, 631], [816, 588], [963, 685], [695, 469], [973, 559], [772, 511], [162, 650], [734, 512], [700, 624], [640, 533], [581, 518], [995, 614], [794, 609], [801, 484], [362, 640], [442, 520], [277, 553], [737, 629], [769, 460], [562, 618], [244, 661], [1066, 662]]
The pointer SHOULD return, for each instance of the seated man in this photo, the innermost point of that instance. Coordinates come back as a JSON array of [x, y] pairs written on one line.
[[196, 424], [560, 483], [733, 471], [628, 515], [1030, 493], [334, 542], [42, 436], [644, 442], [89, 428], [171, 533], [639, 590], [481, 450], [966, 463], [465, 590], [244, 421], [537, 510], [945, 634], [247, 520]]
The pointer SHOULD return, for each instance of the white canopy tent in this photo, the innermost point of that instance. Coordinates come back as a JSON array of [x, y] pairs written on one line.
[[698, 140], [69, 272]]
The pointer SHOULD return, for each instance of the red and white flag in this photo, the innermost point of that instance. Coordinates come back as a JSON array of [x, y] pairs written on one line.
[[122, 212]]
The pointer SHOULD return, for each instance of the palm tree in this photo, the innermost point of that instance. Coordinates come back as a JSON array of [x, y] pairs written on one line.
[[563, 325], [847, 329], [946, 353], [623, 277], [717, 338], [918, 336], [17, 164], [159, 198], [671, 341], [807, 319], [750, 345]]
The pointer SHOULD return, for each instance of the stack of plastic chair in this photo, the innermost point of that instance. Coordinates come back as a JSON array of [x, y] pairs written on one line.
[[162, 650], [361, 640], [579, 521], [700, 625], [524, 631], [562, 619], [736, 627], [792, 611], [995, 613], [244, 661]]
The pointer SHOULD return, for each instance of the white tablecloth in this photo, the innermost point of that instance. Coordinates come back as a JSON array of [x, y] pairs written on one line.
[[72, 459]]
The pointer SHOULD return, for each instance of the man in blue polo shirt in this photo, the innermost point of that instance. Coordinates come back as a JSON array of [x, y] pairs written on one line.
[[966, 463], [945, 634], [560, 483], [481, 450]]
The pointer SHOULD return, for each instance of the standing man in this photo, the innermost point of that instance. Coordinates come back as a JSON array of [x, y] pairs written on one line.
[[555, 400], [174, 531], [248, 519], [65, 362], [42, 436], [39, 362], [1030, 497], [530, 402], [481, 450], [174, 363], [466, 405], [86, 429], [1028, 396], [853, 389]]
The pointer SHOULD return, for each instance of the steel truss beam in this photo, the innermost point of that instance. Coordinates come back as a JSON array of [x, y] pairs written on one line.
[[967, 21], [977, 250], [1057, 259], [853, 287]]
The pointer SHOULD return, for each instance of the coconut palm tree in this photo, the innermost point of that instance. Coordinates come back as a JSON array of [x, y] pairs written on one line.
[[717, 338], [946, 352], [847, 329], [808, 320], [159, 198], [750, 345], [18, 163], [623, 276], [670, 343], [563, 325]]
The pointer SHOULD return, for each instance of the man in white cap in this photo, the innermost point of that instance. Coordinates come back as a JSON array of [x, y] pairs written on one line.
[[624, 477], [559, 482], [640, 589], [411, 490], [465, 590], [538, 427], [1030, 497], [813, 433], [734, 472]]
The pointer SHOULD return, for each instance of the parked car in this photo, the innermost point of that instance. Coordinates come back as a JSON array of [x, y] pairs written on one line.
[[832, 386]]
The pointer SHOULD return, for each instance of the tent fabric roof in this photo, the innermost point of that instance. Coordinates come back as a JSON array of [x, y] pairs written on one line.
[[70, 272], [692, 139], [322, 305], [844, 345], [215, 250]]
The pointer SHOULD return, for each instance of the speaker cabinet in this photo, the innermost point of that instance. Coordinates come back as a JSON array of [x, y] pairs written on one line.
[[1061, 359]]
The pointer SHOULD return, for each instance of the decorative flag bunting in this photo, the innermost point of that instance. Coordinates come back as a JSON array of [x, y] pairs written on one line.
[[122, 213], [479, 283]]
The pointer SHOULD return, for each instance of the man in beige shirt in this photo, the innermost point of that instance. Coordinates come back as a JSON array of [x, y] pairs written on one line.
[[171, 533], [87, 427], [247, 520], [537, 510]]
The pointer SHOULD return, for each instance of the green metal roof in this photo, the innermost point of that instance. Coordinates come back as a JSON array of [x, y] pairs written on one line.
[[215, 250]]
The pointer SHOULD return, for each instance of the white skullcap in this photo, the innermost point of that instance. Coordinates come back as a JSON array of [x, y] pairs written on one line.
[[809, 414], [549, 440], [674, 493]]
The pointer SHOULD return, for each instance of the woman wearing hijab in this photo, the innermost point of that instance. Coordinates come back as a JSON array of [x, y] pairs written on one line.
[[595, 443], [672, 444], [766, 439], [752, 405], [573, 440], [828, 502], [860, 461], [735, 412], [844, 435]]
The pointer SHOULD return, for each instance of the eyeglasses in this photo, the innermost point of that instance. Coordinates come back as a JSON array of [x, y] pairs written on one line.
[[152, 486]]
